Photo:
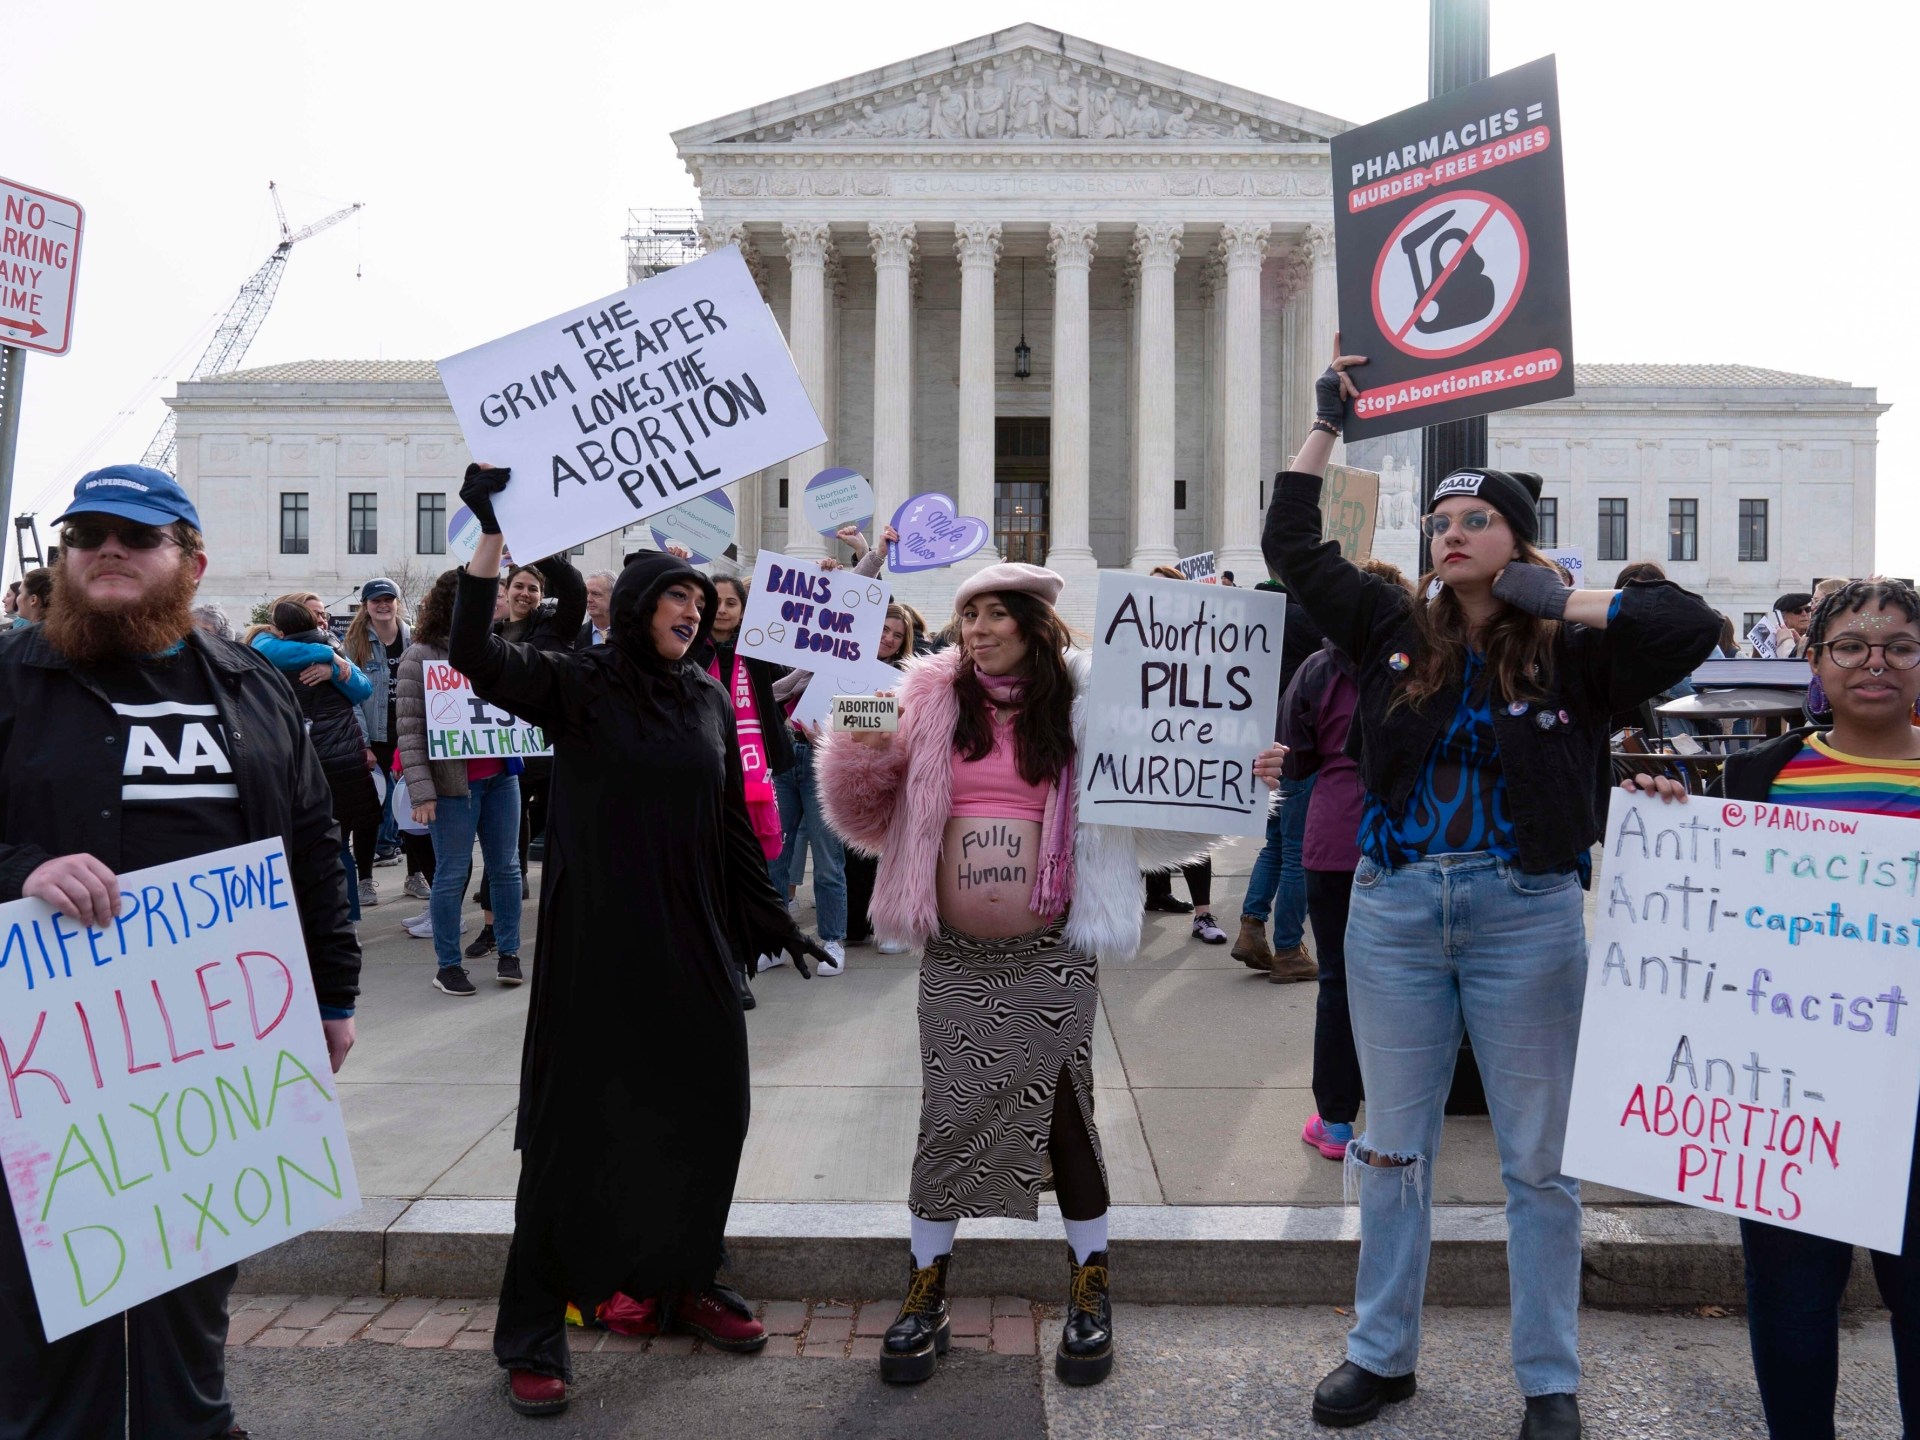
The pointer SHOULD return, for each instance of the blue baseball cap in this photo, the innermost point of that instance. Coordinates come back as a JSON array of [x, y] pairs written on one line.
[[133, 492], [375, 588]]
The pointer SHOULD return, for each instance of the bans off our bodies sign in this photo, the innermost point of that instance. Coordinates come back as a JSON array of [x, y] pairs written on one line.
[[1746, 1045], [462, 726], [168, 1106], [631, 405]]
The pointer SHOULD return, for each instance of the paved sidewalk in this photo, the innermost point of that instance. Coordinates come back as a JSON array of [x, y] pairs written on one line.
[[1201, 1068]]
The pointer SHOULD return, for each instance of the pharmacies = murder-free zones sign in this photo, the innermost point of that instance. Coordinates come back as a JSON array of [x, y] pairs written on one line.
[[1746, 1045], [633, 404], [168, 1106], [1186, 686], [462, 726], [1450, 231], [811, 619]]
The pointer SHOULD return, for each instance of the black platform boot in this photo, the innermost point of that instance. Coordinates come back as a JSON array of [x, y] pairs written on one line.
[[920, 1335], [1085, 1355]]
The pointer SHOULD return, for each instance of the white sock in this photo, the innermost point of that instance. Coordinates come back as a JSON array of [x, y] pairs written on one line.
[[932, 1239], [1086, 1237]]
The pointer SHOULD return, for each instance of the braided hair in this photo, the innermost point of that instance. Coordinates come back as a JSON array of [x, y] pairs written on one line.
[[1857, 595]]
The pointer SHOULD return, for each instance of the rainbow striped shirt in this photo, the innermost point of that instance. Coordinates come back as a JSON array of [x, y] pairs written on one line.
[[1827, 779]]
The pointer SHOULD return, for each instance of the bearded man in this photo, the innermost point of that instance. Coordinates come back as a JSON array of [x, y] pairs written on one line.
[[130, 738]]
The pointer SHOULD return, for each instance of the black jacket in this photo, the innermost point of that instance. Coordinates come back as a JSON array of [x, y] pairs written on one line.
[[1749, 774], [775, 734], [555, 622], [1555, 777], [333, 721], [58, 798]]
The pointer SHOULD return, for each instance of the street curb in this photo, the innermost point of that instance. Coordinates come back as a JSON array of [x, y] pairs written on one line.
[[1633, 1255]]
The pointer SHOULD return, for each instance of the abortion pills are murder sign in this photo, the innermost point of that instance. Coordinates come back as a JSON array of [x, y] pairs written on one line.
[[1186, 686], [1744, 1045], [632, 404], [169, 1108]]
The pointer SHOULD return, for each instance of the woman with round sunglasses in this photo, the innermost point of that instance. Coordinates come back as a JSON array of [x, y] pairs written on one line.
[[1483, 710]]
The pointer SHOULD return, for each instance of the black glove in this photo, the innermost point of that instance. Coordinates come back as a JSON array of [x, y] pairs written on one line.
[[1532, 588], [800, 947], [1328, 403], [477, 490]]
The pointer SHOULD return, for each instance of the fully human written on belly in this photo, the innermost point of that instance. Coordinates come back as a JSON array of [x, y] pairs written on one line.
[[987, 869]]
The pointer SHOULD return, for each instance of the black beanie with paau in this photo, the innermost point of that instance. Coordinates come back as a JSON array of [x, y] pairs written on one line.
[[1514, 493]]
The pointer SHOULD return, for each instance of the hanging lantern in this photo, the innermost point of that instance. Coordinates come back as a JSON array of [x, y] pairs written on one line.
[[1023, 352]]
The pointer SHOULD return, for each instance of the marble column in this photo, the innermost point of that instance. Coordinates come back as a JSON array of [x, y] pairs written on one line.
[[1157, 247], [1213, 295], [1243, 248], [893, 247], [1322, 316], [1070, 247], [747, 493], [977, 247], [807, 244]]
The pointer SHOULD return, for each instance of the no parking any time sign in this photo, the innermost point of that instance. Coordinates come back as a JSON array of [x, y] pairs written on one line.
[[1450, 229], [39, 257]]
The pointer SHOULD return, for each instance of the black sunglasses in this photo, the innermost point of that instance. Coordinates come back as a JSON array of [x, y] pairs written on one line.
[[90, 535]]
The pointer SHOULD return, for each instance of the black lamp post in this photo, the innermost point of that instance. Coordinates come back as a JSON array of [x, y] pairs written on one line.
[[1023, 352]]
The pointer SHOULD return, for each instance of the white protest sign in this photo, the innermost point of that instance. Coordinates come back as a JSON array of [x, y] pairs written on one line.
[[1186, 689], [635, 403], [462, 726], [704, 526], [1196, 567], [838, 497], [873, 713], [169, 1109], [1743, 1046], [1573, 562], [800, 615], [842, 677]]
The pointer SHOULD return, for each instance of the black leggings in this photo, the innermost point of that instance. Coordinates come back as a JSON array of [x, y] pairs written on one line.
[[1199, 883], [1077, 1182], [1337, 1090], [861, 870], [419, 851]]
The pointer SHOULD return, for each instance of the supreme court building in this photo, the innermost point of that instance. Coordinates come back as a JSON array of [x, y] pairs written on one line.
[[1086, 295]]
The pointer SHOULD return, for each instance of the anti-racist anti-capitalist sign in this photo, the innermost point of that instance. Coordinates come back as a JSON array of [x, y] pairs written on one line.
[[1186, 686], [1349, 508], [462, 726], [1745, 1045], [633, 404], [1450, 226], [812, 619], [168, 1107]]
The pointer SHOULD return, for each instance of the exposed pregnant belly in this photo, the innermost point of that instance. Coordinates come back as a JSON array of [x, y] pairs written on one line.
[[987, 869]]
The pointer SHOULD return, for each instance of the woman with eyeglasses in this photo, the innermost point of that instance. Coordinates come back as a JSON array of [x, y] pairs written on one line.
[[1863, 646], [1483, 709]]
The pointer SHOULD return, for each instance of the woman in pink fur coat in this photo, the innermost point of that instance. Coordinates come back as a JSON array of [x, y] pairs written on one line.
[[970, 807]]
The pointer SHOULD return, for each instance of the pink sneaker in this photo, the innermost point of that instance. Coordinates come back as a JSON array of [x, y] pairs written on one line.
[[1330, 1140]]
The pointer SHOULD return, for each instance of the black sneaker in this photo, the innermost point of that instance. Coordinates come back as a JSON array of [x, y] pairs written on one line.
[[508, 970], [482, 943], [452, 980]]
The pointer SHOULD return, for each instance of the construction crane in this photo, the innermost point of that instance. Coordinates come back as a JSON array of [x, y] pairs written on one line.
[[243, 318]]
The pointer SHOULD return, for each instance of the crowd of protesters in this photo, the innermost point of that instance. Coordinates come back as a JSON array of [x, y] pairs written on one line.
[[1432, 824]]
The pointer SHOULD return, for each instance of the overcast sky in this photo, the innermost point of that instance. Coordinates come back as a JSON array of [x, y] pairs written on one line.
[[1734, 170]]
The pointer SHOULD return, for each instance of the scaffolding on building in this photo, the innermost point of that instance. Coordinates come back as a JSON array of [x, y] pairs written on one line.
[[659, 240]]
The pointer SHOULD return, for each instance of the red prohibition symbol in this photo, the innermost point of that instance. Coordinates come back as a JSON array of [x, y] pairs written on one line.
[[1450, 274]]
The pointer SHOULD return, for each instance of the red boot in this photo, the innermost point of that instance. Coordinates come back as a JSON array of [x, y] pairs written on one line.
[[533, 1394], [721, 1318]]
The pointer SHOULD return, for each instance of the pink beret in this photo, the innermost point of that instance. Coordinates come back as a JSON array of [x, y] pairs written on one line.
[[1009, 575]]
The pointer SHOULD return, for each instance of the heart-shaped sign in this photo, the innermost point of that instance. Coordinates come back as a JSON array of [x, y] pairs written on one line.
[[838, 497], [932, 535], [704, 524]]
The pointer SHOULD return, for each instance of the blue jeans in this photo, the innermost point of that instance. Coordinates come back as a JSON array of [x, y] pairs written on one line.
[[1278, 883], [802, 823], [353, 879], [491, 810], [1444, 942]]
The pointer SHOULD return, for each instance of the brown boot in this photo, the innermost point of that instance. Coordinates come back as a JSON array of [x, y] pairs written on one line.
[[1292, 964], [1251, 949]]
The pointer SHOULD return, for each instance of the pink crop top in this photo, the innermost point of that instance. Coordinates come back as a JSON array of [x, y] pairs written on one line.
[[991, 788]]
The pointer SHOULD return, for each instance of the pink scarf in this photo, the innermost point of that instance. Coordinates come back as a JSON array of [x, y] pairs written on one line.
[[1053, 886], [763, 808]]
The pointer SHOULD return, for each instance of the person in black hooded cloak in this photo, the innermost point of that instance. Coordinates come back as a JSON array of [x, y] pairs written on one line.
[[633, 1084]]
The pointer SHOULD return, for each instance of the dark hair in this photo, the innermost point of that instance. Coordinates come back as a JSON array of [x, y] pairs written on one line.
[[290, 617], [1729, 637], [1856, 595], [1638, 570], [739, 583], [1043, 738], [38, 583], [1518, 646], [435, 619], [515, 571]]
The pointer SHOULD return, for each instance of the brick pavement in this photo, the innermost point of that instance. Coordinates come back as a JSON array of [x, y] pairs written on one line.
[[825, 1329]]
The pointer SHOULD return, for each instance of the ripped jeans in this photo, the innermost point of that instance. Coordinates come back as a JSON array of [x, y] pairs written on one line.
[[1444, 942]]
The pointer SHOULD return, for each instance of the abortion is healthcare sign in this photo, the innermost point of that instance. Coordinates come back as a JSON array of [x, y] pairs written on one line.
[[1450, 228], [1745, 1045], [168, 1108], [633, 404], [462, 726]]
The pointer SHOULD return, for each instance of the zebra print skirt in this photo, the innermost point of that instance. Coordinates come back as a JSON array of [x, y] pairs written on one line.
[[999, 1021]]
